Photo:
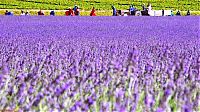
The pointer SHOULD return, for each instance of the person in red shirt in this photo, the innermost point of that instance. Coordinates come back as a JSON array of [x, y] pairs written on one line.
[[67, 13], [93, 12], [70, 12]]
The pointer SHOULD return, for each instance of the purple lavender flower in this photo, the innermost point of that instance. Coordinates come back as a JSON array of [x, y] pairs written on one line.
[[148, 100], [160, 110], [71, 68], [123, 109], [187, 108], [167, 92], [73, 108], [31, 90], [38, 99], [5, 69], [90, 101]]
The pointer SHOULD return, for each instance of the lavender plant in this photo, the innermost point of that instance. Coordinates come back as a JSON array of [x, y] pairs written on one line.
[[100, 64]]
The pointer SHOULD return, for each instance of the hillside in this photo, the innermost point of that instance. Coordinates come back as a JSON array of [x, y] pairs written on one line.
[[99, 4]]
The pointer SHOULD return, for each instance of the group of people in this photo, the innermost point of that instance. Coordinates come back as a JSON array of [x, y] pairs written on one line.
[[179, 13], [76, 11], [9, 13], [24, 13], [145, 11], [73, 12], [70, 12], [132, 10]]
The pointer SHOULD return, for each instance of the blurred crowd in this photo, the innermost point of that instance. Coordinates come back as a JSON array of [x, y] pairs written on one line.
[[75, 11], [145, 11], [132, 11]]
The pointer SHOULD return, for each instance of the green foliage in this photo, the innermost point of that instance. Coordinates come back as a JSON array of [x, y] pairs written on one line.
[[141, 102], [161, 93], [98, 4], [173, 104]]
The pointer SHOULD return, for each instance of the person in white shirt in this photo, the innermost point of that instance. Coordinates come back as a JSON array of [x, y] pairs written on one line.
[[150, 9]]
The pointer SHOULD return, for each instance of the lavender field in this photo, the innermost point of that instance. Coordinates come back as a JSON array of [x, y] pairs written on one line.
[[102, 64]]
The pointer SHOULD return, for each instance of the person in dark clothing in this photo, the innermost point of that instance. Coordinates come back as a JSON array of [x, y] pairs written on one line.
[[163, 12], [77, 11], [178, 13], [40, 13], [27, 13], [6, 13], [52, 13], [188, 13], [143, 7], [119, 12], [114, 10], [75, 7], [172, 14], [132, 10], [22, 13]]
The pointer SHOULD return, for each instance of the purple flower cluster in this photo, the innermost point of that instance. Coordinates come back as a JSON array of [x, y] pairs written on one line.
[[100, 64]]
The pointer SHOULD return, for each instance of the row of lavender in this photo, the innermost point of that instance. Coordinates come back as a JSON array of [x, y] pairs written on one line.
[[100, 64]]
